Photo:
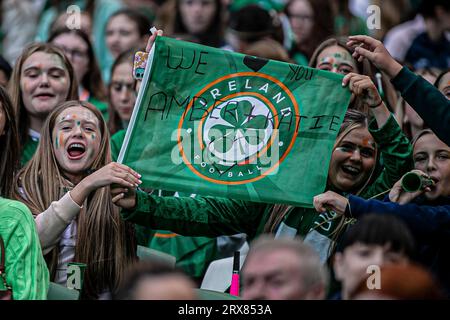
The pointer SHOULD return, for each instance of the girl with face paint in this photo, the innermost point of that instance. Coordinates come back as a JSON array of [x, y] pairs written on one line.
[[42, 78], [66, 186], [426, 212]]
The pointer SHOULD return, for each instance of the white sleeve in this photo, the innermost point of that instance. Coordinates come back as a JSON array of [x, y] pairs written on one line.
[[52, 222]]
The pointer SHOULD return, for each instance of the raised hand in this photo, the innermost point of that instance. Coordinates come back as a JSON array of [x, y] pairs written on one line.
[[112, 173], [152, 39], [375, 52], [330, 201], [363, 86]]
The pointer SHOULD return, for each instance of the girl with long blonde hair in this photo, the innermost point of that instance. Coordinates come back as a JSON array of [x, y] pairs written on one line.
[[66, 186]]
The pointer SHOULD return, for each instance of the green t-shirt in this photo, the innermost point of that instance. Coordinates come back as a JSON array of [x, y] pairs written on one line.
[[28, 150]]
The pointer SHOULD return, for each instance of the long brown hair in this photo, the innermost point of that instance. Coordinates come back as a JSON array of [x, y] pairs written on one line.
[[102, 241], [16, 93], [353, 119], [323, 25], [9, 156]]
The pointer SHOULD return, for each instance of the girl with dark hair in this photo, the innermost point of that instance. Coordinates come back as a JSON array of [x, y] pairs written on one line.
[[9, 140], [42, 78], [5, 72], [66, 186], [25, 270], [312, 23], [126, 29], [78, 49], [373, 241]]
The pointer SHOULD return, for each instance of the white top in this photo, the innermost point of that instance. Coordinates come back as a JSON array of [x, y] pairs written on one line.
[[66, 252]]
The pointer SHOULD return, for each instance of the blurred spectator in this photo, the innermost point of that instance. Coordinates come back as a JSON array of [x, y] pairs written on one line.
[[121, 95], [398, 39], [392, 13], [312, 23], [126, 29], [153, 280], [78, 49], [250, 24], [99, 12], [268, 49], [9, 140], [203, 19], [5, 72], [18, 26], [283, 269], [147, 7], [431, 48], [443, 83], [409, 120], [400, 282], [345, 23], [64, 20], [373, 240]]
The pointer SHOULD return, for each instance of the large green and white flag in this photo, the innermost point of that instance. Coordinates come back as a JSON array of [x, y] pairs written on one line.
[[214, 122]]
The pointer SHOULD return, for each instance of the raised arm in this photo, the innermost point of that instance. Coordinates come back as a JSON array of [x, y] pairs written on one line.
[[431, 105], [394, 148]]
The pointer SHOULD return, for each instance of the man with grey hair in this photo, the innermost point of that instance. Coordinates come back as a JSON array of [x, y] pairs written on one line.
[[283, 269]]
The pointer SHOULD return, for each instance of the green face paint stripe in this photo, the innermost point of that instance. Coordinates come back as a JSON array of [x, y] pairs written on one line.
[[56, 142]]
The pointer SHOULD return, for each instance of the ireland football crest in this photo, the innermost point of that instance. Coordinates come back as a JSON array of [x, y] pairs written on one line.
[[230, 132]]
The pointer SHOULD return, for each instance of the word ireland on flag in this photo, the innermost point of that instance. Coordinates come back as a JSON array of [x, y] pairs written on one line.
[[214, 122]]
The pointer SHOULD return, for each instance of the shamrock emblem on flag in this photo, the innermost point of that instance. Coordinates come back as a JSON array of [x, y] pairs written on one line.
[[243, 128]]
